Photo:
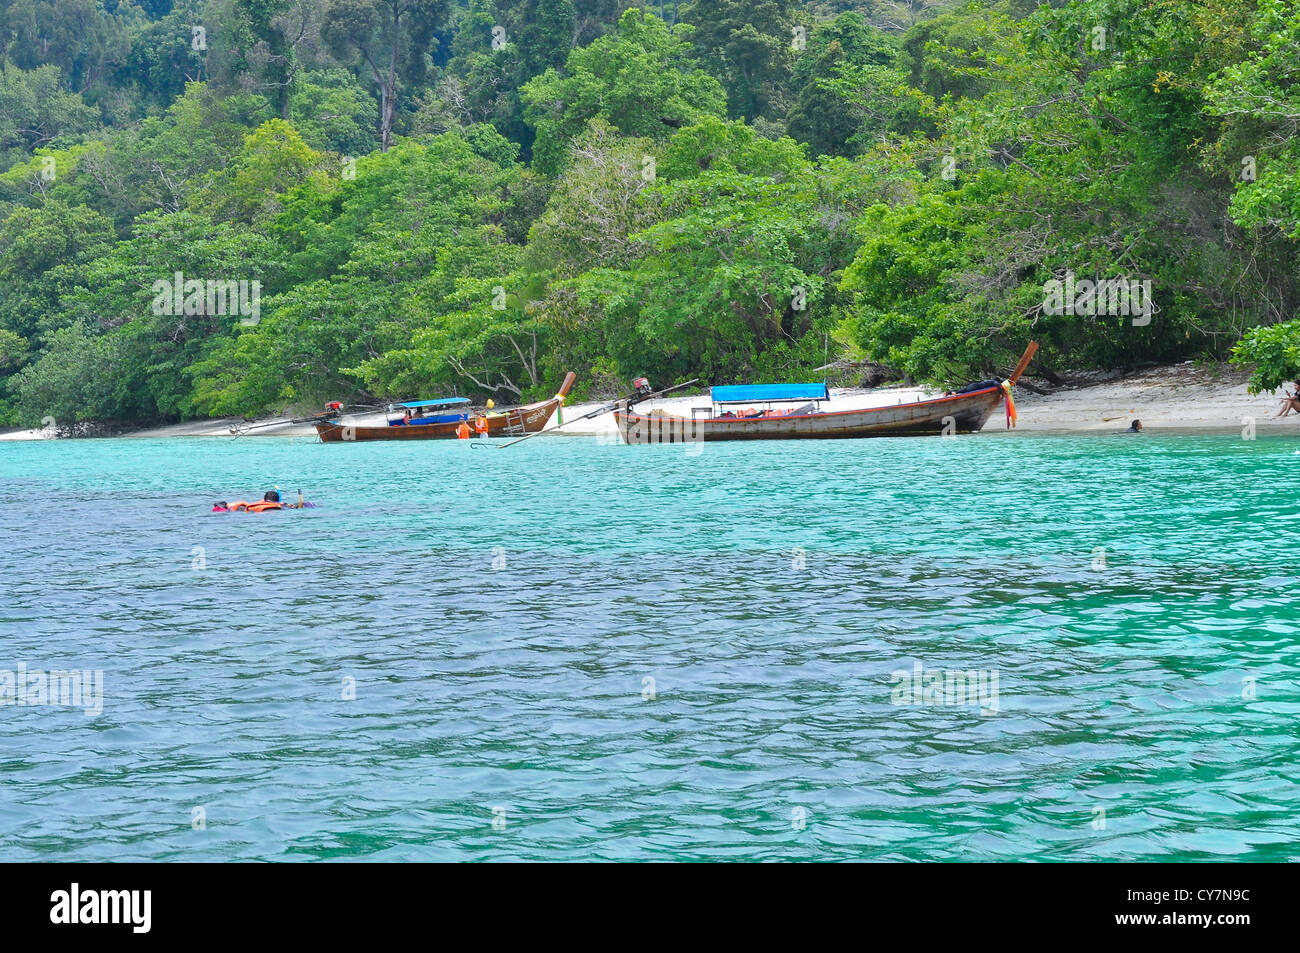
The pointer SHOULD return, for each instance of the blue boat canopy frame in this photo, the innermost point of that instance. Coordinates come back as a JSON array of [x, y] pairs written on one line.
[[440, 402], [765, 393], [413, 413]]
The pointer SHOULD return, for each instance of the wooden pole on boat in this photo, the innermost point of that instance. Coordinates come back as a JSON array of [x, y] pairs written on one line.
[[595, 413], [1024, 362], [318, 418], [1010, 382]]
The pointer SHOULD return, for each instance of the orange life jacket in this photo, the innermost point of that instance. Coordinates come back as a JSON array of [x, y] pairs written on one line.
[[258, 507], [462, 432]]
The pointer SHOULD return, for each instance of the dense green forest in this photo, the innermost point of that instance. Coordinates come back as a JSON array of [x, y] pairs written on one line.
[[243, 206]]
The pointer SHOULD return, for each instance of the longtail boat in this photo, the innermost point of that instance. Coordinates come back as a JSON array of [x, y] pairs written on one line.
[[967, 410], [433, 424]]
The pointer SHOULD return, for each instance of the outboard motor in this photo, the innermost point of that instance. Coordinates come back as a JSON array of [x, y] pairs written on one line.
[[640, 390]]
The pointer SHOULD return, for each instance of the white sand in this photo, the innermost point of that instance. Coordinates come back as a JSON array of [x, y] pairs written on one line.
[[1181, 396], [28, 435]]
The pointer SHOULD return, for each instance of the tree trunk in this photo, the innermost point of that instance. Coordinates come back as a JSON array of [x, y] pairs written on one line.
[[386, 93]]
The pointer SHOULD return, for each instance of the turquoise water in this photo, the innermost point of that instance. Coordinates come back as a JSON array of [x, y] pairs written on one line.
[[502, 613]]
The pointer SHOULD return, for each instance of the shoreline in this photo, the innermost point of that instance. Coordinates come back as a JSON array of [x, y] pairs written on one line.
[[1170, 397]]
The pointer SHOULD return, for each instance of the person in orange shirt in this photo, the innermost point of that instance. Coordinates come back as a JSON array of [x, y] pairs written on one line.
[[481, 425], [462, 432]]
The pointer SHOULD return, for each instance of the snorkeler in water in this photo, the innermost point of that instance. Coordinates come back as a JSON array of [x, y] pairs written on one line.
[[270, 501]]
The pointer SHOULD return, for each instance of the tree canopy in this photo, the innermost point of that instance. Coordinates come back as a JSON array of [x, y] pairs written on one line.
[[375, 199]]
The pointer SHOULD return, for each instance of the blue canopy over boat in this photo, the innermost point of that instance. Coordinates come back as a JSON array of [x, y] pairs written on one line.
[[440, 402], [758, 393]]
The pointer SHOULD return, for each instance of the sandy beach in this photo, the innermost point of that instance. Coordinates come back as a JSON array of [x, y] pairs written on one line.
[[1163, 398]]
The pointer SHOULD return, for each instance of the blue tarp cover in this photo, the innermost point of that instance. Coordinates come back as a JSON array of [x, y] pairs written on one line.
[[757, 393], [442, 401]]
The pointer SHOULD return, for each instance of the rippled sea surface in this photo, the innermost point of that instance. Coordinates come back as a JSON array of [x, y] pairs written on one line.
[[569, 650]]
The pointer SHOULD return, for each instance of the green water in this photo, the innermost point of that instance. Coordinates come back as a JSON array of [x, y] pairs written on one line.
[[655, 652]]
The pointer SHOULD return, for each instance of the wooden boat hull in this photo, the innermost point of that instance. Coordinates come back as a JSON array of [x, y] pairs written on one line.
[[962, 413], [515, 422]]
